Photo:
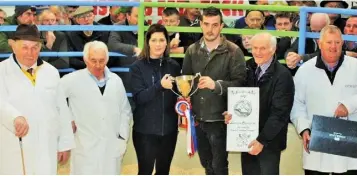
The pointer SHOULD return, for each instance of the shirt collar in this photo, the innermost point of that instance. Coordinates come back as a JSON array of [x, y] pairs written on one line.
[[203, 45], [103, 81], [265, 66], [330, 68]]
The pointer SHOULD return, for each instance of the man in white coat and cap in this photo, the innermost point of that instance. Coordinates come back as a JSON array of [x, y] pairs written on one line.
[[326, 85], [31, 86], [101, 114]]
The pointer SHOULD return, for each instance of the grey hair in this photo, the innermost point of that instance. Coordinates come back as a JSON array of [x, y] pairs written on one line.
[[327, 18], [265, 35], [95, 45], [330, 29]]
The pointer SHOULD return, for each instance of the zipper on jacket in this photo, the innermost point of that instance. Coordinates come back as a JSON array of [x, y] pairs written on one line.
[[153, 79], [163, 101]]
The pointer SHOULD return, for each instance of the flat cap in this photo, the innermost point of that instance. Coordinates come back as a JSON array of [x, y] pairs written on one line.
[[82, 10]]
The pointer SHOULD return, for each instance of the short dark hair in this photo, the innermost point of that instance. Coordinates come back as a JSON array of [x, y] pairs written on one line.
[[145, 54], [212, 11], [310, 3], [284, 15], [248, 11], [128, 10], [171, 11]]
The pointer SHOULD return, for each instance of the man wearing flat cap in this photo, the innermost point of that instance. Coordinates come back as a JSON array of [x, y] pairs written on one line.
[[31, 86], [83, 15], [335, 19], [23, 15]]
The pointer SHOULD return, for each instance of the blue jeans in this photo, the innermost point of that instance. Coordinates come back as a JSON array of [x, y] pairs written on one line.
[[211, 139]]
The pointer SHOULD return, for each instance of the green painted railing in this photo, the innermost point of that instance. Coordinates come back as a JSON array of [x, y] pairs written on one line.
[[272, 8]]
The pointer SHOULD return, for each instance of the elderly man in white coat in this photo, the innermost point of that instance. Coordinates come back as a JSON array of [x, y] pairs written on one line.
[[326, 85], [32, 87], [101, 114]]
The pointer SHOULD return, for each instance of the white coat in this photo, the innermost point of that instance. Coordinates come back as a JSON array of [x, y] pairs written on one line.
[[314, 94], [7, 116], [100, 120], [44, 106]]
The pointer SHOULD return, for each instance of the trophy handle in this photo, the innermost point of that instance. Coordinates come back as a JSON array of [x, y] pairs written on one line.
[[176, 93], [197, 75]]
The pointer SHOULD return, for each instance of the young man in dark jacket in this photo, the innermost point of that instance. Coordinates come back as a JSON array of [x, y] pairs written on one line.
[[222, 65], [276, 96]]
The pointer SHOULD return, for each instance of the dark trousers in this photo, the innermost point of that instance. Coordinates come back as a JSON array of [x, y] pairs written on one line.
[[154, 150], [311, 172], [265, 163], [211, 139]]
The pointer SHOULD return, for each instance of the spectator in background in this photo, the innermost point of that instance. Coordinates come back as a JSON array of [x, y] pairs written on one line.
[[77, 39], [351, 29], [125, 42], [335, 19], [283, 22], [61, 15], [53, 41], [2, 16], [190, 18], [246, 43], [254, 20], [317, 23], [309, 3], [171, 17], [116, 16], [296, 19], [23, 15], [267, 22], [70, 10], [295, 15]]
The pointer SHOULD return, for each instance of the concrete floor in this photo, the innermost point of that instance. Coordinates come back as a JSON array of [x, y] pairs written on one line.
[[291, 161]]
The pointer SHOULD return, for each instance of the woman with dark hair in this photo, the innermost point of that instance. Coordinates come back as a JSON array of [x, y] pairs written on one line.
[[155, 120]]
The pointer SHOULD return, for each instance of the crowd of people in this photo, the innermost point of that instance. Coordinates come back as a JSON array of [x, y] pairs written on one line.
[[85, 115]]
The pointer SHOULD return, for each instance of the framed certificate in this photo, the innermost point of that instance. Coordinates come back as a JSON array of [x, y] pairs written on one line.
[[243, 104]]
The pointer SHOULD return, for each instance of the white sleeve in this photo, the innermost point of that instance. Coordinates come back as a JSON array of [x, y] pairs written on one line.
[[125, 112], [7, 115], [66, 138], [65, 84], [298, 114]]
